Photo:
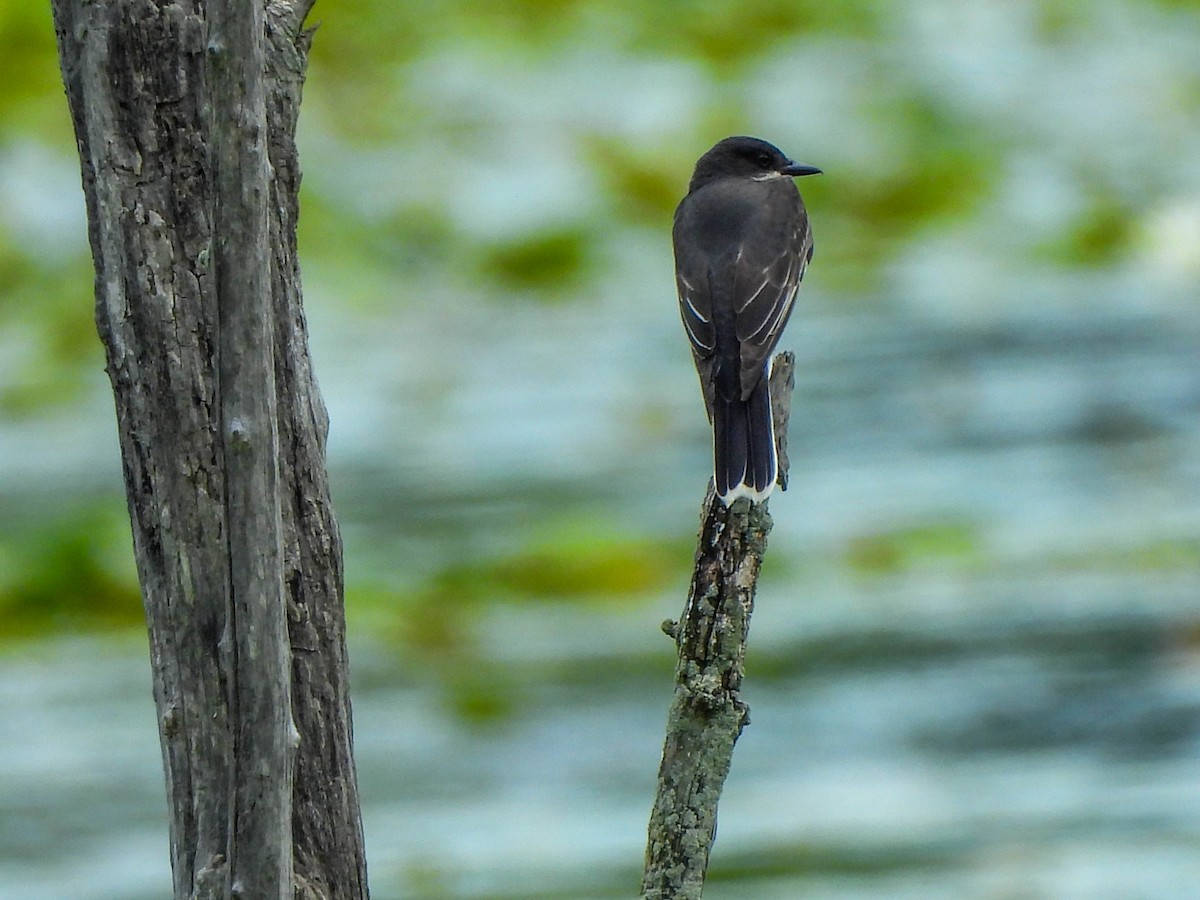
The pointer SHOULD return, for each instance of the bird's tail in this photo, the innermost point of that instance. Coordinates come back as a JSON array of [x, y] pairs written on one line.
[[744, 461]]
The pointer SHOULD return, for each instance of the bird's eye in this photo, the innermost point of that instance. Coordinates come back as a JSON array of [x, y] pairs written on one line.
[[764, 159]]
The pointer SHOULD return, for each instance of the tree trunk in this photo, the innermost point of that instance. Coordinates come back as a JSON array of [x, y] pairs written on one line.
[[185, 117]]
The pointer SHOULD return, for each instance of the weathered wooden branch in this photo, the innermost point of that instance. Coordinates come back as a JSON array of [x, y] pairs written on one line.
[[185, 117], [707, 714]]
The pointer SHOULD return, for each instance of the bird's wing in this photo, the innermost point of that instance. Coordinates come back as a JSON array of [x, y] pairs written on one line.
[[695, 306], [767, 278]]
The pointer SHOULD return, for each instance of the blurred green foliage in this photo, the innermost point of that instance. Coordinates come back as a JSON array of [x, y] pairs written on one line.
[[43, 299], [953, 544], [71, 571], [721, 33], [1102, 235], [31, 101], [439, 628], [383, 106], [51, 308], [583, 565], [553, 262]]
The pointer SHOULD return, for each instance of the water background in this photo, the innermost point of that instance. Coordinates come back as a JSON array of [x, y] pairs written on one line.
[[974, 667]]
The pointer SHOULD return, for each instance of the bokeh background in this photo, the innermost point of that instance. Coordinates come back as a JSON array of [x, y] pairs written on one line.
[[975, 662]]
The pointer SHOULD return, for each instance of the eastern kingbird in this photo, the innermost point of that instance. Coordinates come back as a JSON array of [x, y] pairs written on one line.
[[742, 243]]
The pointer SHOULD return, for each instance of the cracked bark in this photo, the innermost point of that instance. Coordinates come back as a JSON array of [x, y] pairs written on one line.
[[185, 116], [707, 714]]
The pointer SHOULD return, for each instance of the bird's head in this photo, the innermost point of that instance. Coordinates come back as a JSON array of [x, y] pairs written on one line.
[[746, 157]]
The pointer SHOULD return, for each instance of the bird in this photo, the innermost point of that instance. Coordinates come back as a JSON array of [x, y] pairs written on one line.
[[742, 243]]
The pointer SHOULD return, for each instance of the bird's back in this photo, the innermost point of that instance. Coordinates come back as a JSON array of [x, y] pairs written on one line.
[[720, 218]]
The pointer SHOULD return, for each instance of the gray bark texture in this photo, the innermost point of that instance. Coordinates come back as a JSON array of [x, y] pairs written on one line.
[[185, 115], [707, 714]]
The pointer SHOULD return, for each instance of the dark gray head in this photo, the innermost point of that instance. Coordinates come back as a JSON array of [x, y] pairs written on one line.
[[745, 157]]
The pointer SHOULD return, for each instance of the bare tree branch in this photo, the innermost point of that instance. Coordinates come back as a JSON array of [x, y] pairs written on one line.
[[707, 714]]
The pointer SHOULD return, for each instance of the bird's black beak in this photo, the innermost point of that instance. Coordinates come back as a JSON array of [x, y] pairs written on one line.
[[798, 169]]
